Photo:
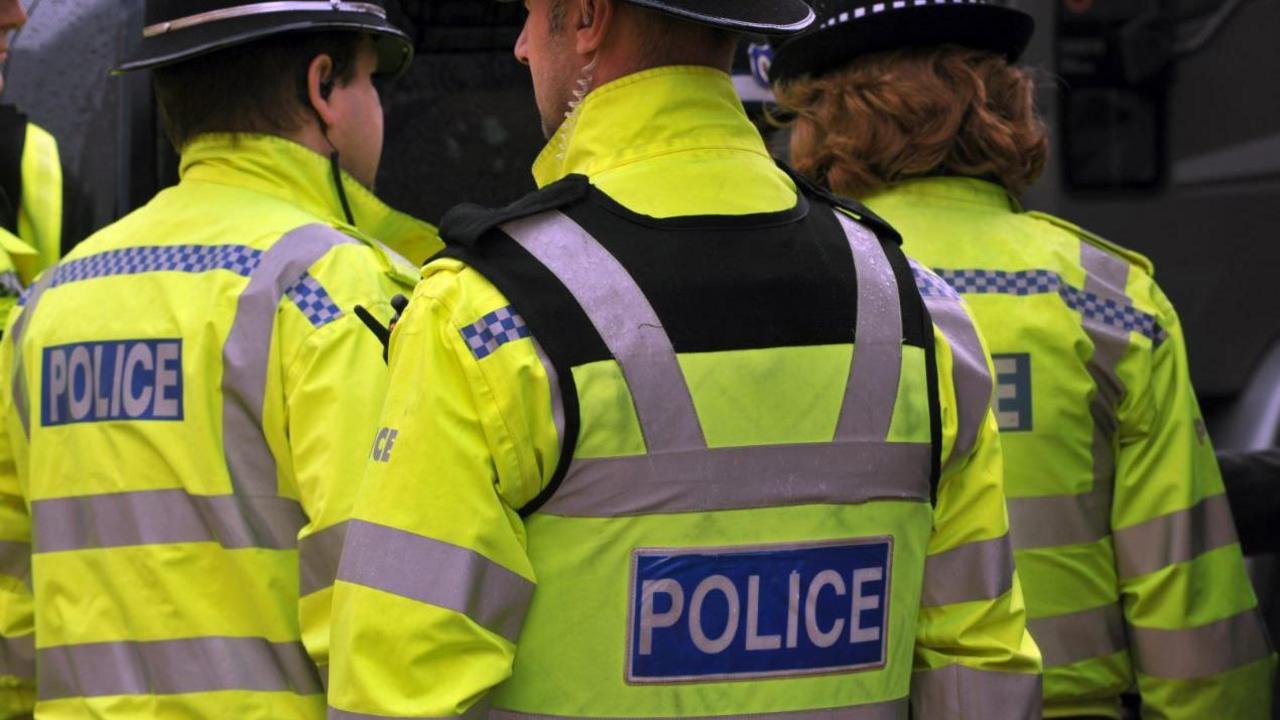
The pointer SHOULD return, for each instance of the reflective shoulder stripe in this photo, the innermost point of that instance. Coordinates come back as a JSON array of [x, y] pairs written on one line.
[[248, 346], [969, 371], [1201, 652], [1074, 637], [169, 667], [980, 570], [21, 399], [625, 320], [957, 691], [892, 710], [402, 563], [872, 390]]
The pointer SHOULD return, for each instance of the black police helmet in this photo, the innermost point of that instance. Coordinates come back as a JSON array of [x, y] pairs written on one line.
[[763, 17]]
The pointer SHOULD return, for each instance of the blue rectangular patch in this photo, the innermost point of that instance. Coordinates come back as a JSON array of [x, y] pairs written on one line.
[[715, 614], [116, 380], [1013, 391]]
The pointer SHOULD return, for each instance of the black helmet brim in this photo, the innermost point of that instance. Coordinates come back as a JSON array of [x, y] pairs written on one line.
[[762, 17]]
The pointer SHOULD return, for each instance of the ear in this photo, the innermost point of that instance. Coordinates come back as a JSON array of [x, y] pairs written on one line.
[[595, 20], [320, 84]]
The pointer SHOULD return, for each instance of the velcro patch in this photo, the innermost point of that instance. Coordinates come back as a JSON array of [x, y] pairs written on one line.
[[116, 380], [716, 614]]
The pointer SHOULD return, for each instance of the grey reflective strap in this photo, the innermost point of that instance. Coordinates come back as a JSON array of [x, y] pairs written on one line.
[[872, 391], [981, 570], [248, 347], [318, 556], [437, 573], [153, 517], [1105, 277], [744, 477], [171, 667], [1074, 637], [956, 691], [476, 713], [626, 321], [557, 398], [1201, 652], [1174, 538], [969, 371], [1057, 520], [15, 559], [21, 398], [892, 710], [18, 656]]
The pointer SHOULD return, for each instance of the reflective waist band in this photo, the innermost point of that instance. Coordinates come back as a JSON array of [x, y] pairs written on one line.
[[892, 710], [170, 667]]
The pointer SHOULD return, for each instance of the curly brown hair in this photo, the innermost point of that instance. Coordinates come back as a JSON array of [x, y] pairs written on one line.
[[893, 116]]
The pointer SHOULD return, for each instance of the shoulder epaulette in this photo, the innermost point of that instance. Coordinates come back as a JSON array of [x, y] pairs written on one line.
[[467, 223], [862, 213], [1135, 258]]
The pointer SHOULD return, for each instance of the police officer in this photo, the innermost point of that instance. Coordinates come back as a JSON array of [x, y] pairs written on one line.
[[675, 436], [1122, 533], [31, 210], [191, 390]]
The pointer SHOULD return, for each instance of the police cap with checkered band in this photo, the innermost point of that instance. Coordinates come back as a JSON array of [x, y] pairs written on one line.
[[178, 30], [847, 29], [761, 17]]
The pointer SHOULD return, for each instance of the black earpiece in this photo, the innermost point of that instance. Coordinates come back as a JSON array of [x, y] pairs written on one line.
[[326, 88]]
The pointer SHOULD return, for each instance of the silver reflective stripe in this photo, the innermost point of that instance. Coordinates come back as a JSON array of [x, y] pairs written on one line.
[[1174, 538], [262, 8], [626, 321], [980, 570], [1201, 652], [18, 656], [21, 399], [969, 372], [170, 667], [892, 710], [15, 559], [1074, 637], [557, 398], [475, 713], [744, 477], [152, 517], [318, 557], [872, 391], [436, 573], [956, 691], [1057, 520], [248, 347]]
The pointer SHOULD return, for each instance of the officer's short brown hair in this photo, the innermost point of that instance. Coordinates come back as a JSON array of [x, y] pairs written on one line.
[[260, 87], [893, 116]]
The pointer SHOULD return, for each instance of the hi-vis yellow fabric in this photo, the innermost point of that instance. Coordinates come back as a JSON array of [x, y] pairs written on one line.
[[187, 401], [447, 603], [1123, 537], [40, 209]]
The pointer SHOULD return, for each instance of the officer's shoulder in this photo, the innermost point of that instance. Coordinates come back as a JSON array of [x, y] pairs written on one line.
[[1133, 257], [860, 212], [466, 224]]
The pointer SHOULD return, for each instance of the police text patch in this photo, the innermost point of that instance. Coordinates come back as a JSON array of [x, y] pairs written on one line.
[[116, 380], [715, 614]]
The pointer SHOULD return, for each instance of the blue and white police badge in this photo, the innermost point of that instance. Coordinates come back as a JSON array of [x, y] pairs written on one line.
[[738, 613]]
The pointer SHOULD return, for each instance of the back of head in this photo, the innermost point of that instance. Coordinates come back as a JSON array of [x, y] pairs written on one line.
[[259, 87], [892, 116]]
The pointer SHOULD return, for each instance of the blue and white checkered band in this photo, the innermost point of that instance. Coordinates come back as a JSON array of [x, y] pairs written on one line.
[[878, 8], [494, 330]]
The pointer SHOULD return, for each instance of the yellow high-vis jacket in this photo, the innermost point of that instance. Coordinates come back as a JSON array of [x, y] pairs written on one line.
[[187, 401], [1123, 537], [34, 240], [671, 513]]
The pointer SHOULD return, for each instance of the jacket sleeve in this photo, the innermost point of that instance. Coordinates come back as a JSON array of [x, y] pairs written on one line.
[[463, 443], [1198, 645], [338, 365], [974, 656], [17, 612]]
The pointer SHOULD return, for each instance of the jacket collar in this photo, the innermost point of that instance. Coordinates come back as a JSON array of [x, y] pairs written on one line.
[[299, 176], [950, 189], [656, 112]]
